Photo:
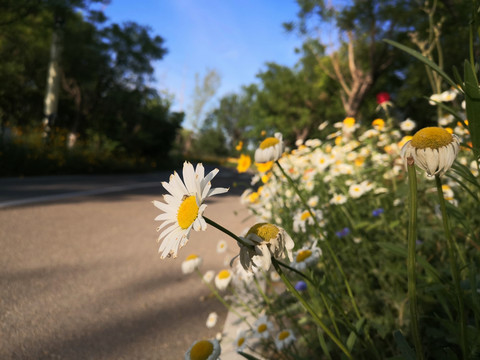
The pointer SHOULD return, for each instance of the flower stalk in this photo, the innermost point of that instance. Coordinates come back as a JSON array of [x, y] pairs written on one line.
[[225, 231], [411, 259], [311, 311], [327, 244], [452, 254]]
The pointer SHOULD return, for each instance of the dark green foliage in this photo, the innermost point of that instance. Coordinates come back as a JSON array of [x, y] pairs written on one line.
[[105, 98]]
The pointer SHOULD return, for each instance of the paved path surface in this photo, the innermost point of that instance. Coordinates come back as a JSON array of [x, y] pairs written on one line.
[[80, 277]]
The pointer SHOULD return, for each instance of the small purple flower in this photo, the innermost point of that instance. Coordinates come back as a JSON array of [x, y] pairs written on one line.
[[301, 286], [342, 233], [378, 212]]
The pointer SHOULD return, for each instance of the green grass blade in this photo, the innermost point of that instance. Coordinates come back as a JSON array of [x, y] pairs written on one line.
[[423, 59]]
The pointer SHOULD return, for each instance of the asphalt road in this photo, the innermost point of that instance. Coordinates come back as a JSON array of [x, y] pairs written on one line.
[[80, 276]]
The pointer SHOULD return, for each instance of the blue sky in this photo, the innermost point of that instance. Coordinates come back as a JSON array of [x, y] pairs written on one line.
[[234, 37]]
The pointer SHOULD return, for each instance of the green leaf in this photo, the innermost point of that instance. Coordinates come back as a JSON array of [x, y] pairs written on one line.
[[472, 101], [402, 251], [423, 59], [407, 352], [352, 338]]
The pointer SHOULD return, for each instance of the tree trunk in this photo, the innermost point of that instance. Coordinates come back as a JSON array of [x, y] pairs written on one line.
[[53, 82]]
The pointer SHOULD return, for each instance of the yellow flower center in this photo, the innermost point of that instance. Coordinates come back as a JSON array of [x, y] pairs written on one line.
[[269, 142], [244, 163], [191, 257], [305, 216], [187, 212], [302, 255], [431, 137], [201, 350], [262, 328], [349, 121], [404, 140], [378, 123], [283, 335], [264, 231], [264, 167], [224, 274], [240, 341], [253, 197], [359, 161]]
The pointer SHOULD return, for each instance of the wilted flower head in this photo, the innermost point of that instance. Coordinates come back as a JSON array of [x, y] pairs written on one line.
[[264, 241], [270, 149], [204, 349], [433, 149]]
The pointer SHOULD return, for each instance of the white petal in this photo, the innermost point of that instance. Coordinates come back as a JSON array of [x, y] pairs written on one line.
[[216, 191], [178, 183], [165, 223], [189, 178], [162, 206], [169, 230], [164, 216]]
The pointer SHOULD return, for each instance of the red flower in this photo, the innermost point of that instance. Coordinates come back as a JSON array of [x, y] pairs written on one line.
[[382, 97]]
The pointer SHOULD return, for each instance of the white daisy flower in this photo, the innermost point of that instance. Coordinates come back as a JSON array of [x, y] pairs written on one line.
[[204, 349], [241, 340], [208, 276], [433, 149], [446, 120], [222, 280], [183, 207], [408, 125], [449, 95], [191, 263], [284, 338], [435, 98], [338, 199], [265, 240], [356, 190], [212, 320], [301, 219], [270, 149], [306, 257], [262, 328], [222, 246]]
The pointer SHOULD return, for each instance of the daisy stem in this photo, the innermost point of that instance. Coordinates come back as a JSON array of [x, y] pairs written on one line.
[[411, 259], [326, 242], [296, 271], [226, 231], [307, 306], [452, 254]]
